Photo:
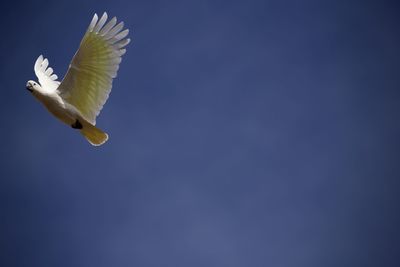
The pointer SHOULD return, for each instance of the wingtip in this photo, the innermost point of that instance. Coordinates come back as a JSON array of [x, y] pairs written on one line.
[[100, 23], [38, 62], [104, 15], [93, 22]]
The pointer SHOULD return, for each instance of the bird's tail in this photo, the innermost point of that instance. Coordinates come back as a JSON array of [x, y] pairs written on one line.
[[94, 135]]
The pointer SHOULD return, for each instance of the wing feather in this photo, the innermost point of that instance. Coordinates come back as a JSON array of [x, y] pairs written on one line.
[[47, 79], [93, 22], [88, 81], [101, 22], [119, 36], [114, 31], [108, 26], [49, 71]]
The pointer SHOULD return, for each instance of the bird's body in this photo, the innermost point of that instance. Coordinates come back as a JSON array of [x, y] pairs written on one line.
[[62, 110], [78, 99], [70, 115]]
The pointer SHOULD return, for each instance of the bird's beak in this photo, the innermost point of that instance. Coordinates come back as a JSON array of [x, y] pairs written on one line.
[[29, 88]]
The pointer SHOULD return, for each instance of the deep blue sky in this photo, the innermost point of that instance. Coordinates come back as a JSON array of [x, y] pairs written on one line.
[[242, 133]]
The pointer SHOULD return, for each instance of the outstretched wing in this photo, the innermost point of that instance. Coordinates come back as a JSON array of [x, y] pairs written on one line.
[[88, 81], [47, 79]]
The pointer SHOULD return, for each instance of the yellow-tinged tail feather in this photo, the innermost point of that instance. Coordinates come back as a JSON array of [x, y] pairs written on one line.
[[94, 135]]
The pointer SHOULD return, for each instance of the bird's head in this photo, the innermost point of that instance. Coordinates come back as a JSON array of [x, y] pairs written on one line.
[[32, 86]]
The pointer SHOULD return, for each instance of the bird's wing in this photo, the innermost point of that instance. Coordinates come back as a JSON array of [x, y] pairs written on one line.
[[88, 81], [47, 79]]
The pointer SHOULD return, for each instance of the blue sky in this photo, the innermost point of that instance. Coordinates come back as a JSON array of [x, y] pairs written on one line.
[[242, 133]]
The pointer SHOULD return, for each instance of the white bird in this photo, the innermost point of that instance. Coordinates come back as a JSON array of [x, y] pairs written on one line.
[[79, 97]]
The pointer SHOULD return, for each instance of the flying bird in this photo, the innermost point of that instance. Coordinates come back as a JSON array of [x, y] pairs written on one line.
[[78, 99]]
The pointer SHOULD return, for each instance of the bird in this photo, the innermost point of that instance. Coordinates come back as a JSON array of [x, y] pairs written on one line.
[[78, 99]]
